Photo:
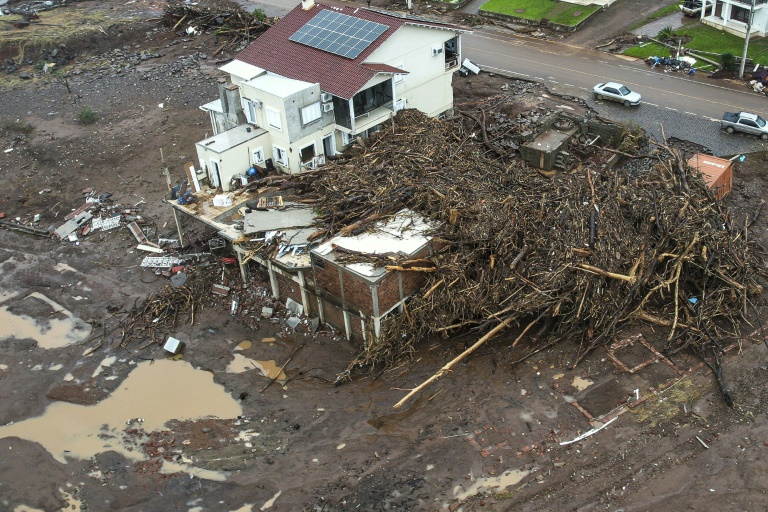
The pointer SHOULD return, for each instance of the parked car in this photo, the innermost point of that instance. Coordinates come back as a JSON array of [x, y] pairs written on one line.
[[745, 122], [616, 92], [692, 8]]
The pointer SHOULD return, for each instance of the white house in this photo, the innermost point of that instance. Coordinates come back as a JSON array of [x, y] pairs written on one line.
[[732, 16], [318, 79]]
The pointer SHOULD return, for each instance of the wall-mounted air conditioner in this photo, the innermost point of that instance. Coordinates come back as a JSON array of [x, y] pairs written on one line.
[[327, 107], [256, 103], [325, 97], [437, 50]]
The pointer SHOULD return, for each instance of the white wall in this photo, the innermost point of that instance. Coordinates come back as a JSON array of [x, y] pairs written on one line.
[[427, 86]]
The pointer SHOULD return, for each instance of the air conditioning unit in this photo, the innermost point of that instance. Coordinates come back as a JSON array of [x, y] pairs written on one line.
[[437, 50], [256, 103], [325, 97], [327, 107]]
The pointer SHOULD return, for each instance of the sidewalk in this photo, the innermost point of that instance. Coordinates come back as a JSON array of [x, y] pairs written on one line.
[[673, 20]]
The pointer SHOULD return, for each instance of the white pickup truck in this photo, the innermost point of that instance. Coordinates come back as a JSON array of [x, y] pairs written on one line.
[[744, 122]]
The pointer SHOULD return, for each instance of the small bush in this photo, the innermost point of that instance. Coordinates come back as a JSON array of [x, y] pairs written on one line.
[[86, 115], [17, 126], [259, 14], [728, 61]]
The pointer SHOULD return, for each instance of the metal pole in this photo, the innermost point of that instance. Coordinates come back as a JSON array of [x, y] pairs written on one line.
[[746, 39]]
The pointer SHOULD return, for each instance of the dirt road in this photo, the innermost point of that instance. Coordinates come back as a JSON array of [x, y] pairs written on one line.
[[89, 426]]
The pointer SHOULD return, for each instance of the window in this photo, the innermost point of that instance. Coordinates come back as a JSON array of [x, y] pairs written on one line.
[[258, 156], [273, 119], [346, 138], [280, 155], [399, 78], [311, 113], [249, 107]]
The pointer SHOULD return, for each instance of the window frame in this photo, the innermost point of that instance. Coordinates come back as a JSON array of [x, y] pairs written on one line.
[[319, 113], [273, 115]]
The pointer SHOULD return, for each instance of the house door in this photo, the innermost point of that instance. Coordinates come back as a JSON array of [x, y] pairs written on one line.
[[329, 145], [213, 174]]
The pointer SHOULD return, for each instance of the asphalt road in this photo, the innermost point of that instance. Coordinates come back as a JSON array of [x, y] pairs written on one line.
[[581, 68], [686, 107]]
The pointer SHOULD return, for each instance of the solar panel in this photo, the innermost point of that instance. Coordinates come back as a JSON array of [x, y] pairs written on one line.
[[338, 33]]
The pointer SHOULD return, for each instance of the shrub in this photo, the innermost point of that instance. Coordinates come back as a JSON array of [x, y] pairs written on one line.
[[86, 115], [17, 126], [728, 61], [259, 14]]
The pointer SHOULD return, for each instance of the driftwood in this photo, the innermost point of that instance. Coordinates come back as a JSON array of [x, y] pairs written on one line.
[[598, 249]]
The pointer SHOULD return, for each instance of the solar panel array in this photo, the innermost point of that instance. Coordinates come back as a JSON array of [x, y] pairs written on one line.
[[338, 33]]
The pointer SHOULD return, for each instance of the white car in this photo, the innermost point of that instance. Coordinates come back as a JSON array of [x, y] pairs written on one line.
[[616, 92]]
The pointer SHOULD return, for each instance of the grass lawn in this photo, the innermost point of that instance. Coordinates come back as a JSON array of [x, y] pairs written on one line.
[[561, 13], [707, 39]]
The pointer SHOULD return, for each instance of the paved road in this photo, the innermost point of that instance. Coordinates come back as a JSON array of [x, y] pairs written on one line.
[[688, 107]]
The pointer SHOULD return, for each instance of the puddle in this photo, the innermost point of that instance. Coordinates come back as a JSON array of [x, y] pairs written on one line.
[[268, 340], [240, 364], [244, 345], [390, 423], [271, 501], [558, 376], [63, 267], [248, 507], [206, 474], [4, 296], [581, 384], [156, 393], [268, 369], [105, 363], [24, 508], [50, 333], [490, 484]]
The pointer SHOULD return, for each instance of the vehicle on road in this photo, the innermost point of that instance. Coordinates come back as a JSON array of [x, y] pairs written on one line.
[[745, 122], [616, 92]]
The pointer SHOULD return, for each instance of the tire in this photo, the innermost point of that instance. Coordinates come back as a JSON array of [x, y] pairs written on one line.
[[599, 97], [627, 103], [764, 136], [729, 129]]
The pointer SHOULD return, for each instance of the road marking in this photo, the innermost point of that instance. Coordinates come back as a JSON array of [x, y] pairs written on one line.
[[568, 85], [712, 119], [651, 104], [670, 108], [554, 81], [538, 78], [691, 113]]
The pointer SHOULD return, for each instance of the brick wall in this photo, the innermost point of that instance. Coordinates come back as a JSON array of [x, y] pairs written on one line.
[[357, 291], [288, 288], [389, 288]]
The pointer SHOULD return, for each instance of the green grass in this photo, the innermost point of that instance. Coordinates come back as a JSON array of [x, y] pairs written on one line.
[[707, 39], [664, 11], [561, 13]]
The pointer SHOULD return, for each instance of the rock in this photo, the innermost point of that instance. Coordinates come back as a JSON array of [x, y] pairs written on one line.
[[75, 393]]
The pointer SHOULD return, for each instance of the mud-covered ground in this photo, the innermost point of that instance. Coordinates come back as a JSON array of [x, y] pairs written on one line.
[[486, 437]]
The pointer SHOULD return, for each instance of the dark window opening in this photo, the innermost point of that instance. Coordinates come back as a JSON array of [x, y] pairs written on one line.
[[372, 98], [452, 52]]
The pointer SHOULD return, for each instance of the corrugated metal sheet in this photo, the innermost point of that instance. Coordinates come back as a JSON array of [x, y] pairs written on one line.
[[717, 172]]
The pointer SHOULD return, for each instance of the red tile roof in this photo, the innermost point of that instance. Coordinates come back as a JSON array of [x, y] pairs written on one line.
[[342, 77]]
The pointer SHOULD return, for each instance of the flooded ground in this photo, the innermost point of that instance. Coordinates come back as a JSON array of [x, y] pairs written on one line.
[[232, 425]]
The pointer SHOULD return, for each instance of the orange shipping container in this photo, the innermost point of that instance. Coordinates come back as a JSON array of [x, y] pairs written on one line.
[[717, 172]]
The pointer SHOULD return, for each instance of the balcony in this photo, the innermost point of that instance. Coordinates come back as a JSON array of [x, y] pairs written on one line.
[[373, 117]]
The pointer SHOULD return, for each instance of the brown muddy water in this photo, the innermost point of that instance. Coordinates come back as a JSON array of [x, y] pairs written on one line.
[[154, 393]]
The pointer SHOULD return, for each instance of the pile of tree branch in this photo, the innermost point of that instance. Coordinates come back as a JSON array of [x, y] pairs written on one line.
[[234, 24], [572, 256]]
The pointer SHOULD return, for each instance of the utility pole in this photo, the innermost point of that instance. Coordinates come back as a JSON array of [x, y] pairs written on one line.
[[746, 39]]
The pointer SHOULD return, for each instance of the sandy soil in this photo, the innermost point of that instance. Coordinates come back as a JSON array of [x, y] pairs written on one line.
[[487, 437]]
